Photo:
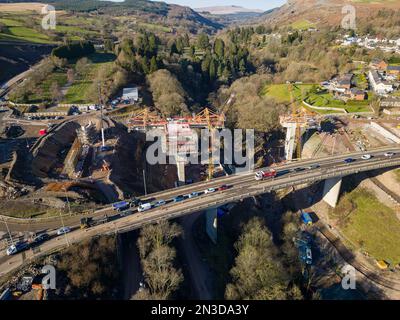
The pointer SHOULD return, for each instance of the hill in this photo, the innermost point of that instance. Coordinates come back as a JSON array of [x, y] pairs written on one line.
[[326, 12], [173, 15]]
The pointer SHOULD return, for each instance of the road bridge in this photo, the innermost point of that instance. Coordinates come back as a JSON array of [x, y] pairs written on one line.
[[240, 187]]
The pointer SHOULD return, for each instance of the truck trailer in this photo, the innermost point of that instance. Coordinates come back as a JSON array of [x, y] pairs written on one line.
[[121, 206], [266, 174]]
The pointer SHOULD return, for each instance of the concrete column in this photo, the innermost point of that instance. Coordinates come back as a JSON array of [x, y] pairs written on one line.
[[290, 140], [332, 191], [180, 166], [212, 223]]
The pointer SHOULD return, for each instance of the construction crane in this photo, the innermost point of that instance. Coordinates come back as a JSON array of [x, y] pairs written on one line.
[[146, 119]]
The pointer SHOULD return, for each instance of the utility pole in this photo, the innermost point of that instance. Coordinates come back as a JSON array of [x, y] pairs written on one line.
[[66, 196], [101, 114], [8, 230], [65, 234]]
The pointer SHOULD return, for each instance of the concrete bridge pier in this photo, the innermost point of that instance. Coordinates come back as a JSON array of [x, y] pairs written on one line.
[[290, 139], [180, 167], [332, 191], [212, 223]]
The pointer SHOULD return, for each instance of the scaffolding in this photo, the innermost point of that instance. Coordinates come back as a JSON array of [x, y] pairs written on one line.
[[178, 130]]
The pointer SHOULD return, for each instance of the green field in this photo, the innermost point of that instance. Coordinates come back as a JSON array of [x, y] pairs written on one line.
[[154, 27], [17, 29], [370, 225], [280, 92], [302, 24], [26, 27], [11, 22], [24, 34]]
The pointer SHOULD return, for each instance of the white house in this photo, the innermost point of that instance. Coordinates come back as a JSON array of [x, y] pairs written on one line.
[[131, 94], [378, 85]]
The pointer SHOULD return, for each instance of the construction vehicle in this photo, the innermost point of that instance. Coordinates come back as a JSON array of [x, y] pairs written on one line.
[[86, 222], [306, 218], [383, 265]]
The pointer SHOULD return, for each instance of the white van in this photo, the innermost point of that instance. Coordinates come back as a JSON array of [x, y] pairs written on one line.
[[144, 207]]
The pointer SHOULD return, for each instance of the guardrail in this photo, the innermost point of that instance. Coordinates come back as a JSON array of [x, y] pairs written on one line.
[[265, 187]]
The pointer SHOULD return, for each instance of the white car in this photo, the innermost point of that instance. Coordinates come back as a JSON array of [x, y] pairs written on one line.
[[366, 157], [63, 230], [144, 207], [15, 248], [11, 250], [389, 154], [210, 190]]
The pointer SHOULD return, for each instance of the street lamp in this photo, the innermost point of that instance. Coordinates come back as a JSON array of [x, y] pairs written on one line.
[[65, 234], [66, 196]]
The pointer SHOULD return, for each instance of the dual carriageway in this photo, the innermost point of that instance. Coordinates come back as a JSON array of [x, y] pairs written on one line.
[[241, 186]]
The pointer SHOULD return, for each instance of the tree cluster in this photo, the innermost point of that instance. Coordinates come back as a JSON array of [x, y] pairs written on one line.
[[88, 270], [157, 259], [257, 273], [168, 94], [73, 50]]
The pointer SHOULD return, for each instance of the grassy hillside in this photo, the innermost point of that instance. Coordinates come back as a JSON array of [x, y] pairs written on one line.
[[369, 225]]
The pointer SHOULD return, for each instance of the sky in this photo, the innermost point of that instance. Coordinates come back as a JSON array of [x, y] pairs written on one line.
[[250, 4]]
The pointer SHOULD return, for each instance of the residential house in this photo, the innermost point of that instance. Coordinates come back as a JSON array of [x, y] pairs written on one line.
[[378, 84], [357, 94], [345, 81], [378, 64]]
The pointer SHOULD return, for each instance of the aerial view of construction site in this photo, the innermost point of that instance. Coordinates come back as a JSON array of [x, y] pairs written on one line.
[[173, 151]]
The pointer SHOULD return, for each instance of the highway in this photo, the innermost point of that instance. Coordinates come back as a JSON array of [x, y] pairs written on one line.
[[240, 187]]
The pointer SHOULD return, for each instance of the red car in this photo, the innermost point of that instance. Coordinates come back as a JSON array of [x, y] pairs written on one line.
[[223, 187]]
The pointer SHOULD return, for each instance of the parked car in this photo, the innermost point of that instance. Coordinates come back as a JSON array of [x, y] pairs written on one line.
[[313, 166], [299, 169], [63, 230], [210, 190], [366, 157], [223, 187]]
